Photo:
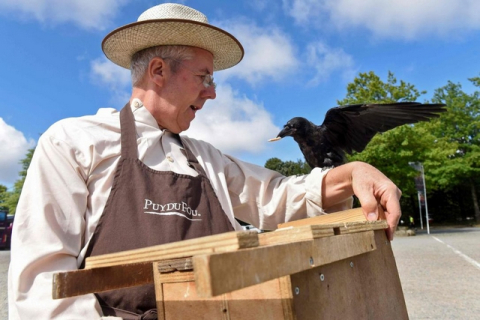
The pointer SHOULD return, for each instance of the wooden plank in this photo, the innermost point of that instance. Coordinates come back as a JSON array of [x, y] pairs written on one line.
[[287, 298], [291, 234], [182, 264], [159, 297], [352, 215], [177, 298], [78, 282], [310, 232], [229, 241], [180, 301], [265, 301], [224, 272], [366, 286]]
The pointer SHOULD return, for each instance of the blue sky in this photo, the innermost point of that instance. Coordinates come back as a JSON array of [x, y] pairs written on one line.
[[299, 57]]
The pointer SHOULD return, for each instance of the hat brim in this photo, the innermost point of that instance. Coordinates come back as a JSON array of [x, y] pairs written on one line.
[[121, 44]]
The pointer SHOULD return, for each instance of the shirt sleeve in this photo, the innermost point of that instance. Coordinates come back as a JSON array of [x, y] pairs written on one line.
[[266, 198], [48, 235]]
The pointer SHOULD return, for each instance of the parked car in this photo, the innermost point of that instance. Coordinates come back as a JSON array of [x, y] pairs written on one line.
[[6, 225]]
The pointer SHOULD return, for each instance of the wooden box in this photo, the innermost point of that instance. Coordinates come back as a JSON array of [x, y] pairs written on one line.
[[318, 268]]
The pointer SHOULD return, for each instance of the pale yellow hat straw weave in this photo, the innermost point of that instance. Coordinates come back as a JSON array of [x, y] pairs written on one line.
[[172, 24]]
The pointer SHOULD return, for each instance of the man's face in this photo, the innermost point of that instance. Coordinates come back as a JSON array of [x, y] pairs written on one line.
[[184, 93]]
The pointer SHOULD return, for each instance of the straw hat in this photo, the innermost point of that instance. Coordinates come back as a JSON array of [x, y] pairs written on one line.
[[172, 24]]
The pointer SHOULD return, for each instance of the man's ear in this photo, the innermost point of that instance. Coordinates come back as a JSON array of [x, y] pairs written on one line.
[[157, 69]]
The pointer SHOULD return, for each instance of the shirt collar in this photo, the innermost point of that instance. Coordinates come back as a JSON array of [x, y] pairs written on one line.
[[142, 115]]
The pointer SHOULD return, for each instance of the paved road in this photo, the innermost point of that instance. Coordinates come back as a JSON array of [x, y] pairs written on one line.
[[4, 261], [440, 274]]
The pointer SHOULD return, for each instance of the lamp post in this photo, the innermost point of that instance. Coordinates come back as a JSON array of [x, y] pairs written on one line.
[[419, 167], [420, 209]]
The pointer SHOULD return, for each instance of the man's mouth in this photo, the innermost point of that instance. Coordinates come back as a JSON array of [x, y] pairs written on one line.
[[194, 108]]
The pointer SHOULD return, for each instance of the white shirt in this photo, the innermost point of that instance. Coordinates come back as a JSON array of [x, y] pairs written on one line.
[[68, 183]]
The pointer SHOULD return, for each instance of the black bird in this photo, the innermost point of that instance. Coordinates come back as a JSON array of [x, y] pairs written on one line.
[[350, 128]]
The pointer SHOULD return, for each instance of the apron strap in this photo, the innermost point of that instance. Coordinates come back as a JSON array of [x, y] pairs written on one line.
[[192, 161], [129, 133]]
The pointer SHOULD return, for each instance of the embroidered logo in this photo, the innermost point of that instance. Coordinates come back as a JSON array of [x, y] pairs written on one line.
[[181, 209]]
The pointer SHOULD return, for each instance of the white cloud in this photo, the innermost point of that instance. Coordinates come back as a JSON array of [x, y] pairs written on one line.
[[108, 73], [269, 53], [88, 14], [303, 10], [233, 123], [326, 60], [258, 5], [15, 147], [405, 19], [117, 79]]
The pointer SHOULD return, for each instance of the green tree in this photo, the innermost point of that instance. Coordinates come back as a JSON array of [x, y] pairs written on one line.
[[3, 196], [288, 168], [368, 87], [460, 127], [11, 198]]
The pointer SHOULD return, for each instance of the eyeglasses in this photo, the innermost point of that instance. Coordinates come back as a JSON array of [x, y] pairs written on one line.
[[207, 78]]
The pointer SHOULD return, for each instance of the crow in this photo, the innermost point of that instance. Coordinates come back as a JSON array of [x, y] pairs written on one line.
[[350, 128]]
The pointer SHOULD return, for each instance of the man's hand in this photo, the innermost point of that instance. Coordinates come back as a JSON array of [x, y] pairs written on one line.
[[371, 187]]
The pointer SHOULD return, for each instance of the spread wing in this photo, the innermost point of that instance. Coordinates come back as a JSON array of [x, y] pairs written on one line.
[[352, 127]]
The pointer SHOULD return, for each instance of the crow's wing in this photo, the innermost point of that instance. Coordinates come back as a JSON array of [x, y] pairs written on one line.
[[352, 127]]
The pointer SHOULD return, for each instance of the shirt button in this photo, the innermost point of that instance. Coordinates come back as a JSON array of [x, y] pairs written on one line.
[[136, 104], [169, 158]]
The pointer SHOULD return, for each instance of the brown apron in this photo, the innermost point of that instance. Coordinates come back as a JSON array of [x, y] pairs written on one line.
[[148, 207]]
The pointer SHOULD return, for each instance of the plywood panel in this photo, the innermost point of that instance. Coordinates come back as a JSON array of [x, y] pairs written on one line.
[[310, 232], [229, 241], [178, 299], [181, 302], [362, 287], [220, 273], [352, 215], [262, 301]]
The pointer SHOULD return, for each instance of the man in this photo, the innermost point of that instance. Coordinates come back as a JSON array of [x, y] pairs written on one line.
[[124, 180]]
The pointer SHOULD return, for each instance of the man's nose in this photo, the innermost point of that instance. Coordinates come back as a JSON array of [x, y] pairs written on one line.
[[209, 93]]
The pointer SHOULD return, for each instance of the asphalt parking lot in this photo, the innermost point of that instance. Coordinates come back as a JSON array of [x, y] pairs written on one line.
[[440, 274]]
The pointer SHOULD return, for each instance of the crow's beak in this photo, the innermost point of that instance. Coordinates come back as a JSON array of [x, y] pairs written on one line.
[[286, 131]]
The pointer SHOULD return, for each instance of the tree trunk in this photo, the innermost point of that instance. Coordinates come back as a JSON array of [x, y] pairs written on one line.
[[475, 200]]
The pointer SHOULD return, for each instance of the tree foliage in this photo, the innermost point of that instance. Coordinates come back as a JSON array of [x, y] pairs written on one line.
[[3, 197], [460, 127], [9, 199], [368, 88], [288, 168]]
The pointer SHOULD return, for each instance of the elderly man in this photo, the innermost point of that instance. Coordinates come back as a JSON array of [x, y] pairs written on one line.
[[125, 180]]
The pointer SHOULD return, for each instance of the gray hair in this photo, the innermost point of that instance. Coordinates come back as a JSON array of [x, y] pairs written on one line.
[[172, 54]]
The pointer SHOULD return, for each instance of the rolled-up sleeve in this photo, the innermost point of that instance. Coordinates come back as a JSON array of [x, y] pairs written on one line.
[[48, 235], [266, 198]]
